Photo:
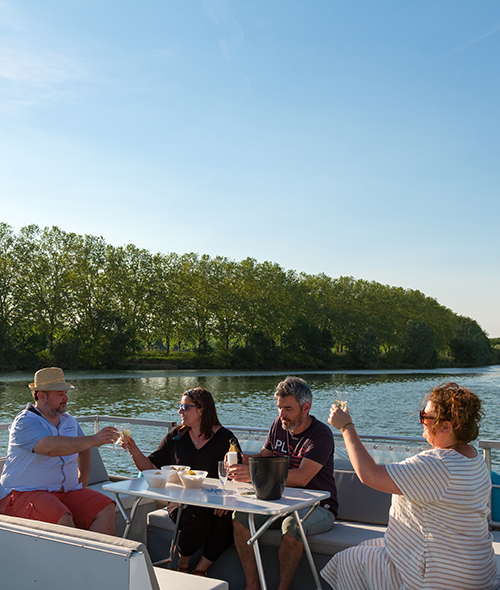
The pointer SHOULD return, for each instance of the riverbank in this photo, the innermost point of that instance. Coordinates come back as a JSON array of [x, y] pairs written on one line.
[[337, 362], [222, 362]]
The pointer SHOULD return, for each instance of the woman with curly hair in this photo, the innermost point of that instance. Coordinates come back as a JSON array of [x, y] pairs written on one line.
[[200, 441], [438, 536]]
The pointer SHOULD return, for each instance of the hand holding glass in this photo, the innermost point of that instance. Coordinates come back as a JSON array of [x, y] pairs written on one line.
[[124, 434]]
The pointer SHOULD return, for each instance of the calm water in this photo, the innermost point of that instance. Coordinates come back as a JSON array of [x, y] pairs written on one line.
[[380, 402]]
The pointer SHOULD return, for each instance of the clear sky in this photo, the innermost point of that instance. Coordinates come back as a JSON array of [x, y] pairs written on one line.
[[350, 137]]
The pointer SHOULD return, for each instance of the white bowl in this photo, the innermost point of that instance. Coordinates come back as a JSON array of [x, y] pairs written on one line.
[[173, 471], [156, 478], [192, 481]]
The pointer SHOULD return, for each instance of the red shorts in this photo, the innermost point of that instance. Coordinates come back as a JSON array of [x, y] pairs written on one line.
[[83, 505]]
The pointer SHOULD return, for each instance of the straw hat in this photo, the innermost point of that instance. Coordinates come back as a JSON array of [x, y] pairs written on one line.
[[50, 379]]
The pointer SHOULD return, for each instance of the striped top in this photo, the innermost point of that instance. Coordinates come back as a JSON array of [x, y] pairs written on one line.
[[438, 535]]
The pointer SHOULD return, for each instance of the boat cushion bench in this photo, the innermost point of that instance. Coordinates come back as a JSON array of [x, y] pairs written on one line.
[[46, 555], [341, 536]]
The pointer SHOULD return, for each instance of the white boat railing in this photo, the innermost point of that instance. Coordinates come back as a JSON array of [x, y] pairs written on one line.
[[97, 420]]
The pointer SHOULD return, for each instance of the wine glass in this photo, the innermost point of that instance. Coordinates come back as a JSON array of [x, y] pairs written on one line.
[[124, 434], [223, 474], [341, 399]]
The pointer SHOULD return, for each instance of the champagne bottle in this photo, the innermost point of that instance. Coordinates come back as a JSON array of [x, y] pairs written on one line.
[[233, 454]]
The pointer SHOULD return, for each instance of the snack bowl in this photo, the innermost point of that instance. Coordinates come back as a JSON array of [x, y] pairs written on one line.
[[156, 478], [192, 479], [174, 470]]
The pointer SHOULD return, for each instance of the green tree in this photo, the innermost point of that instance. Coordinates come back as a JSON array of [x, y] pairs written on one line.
[[259, 352], [227, 302], [364, 353], [306, 345], [470, 347], [7, 300], [131, 280], [419, 350], [99, 336], [269, 297], [44, 285], [167, 302], [197, 286]]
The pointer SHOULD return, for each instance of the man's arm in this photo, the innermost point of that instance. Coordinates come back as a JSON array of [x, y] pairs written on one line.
[[298, 478], [59, 446], [84, 460]]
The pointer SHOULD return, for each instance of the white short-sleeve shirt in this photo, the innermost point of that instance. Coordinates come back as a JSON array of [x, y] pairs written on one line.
[[25, 470], [438, 535]]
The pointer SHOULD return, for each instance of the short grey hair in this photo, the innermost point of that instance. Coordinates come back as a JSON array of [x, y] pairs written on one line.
[[294, 386]]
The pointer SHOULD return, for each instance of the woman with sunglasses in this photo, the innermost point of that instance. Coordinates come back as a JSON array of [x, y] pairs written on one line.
[[200, 441], [438, 536]]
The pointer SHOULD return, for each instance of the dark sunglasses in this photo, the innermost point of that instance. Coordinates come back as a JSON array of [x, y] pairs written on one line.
[[184, 407], [424, 416]]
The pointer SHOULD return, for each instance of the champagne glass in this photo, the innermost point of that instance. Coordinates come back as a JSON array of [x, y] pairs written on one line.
[[223, 474], [341, 399], [124, 434]]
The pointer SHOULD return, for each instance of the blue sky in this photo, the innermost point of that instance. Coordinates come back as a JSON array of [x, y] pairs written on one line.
[[356, 138]]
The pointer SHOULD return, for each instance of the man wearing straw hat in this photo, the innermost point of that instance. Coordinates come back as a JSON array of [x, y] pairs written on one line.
[[48, 462]]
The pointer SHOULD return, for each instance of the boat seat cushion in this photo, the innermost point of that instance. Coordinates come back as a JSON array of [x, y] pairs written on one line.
[[360, 503], [98, 472], [341, 536]]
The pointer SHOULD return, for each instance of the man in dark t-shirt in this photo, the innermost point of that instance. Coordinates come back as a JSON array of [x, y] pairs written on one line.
[[309, 444]]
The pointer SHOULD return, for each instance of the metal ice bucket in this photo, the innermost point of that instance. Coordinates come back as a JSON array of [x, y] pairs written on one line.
[[269, 476]]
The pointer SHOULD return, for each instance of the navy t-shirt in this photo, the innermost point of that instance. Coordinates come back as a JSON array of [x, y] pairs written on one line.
[[314, 443]]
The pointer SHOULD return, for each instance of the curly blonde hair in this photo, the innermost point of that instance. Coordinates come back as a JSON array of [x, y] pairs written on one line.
[[458, 405]]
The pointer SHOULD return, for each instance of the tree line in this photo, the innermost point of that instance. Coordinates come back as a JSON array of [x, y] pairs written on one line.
[[79, 302]]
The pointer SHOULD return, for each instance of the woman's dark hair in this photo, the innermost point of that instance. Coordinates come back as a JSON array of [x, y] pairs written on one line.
[[458, 405], [203, 399]]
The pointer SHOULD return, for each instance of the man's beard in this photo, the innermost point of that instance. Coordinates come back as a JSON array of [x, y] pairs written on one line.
[[292, 427]]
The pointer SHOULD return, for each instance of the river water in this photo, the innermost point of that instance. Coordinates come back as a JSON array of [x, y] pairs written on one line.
[[380, 402]]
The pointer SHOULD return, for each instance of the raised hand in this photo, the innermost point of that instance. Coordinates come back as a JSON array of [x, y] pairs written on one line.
[[107, 436]]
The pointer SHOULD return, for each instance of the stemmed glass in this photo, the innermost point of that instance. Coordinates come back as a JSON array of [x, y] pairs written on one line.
[[223, 475], [124, 434], [341, 399]]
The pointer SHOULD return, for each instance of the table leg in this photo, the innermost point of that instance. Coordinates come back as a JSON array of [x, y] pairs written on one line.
[[128, 519], [173, 544], [308, 550], [256, 550]]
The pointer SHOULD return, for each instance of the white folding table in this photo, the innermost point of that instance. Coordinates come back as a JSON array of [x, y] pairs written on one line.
[[239, 498]]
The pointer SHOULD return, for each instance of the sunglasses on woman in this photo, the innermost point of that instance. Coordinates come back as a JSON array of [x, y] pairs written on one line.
[[424, 416], [184, 407]]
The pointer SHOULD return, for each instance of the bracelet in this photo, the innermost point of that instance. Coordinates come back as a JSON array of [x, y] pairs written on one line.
[[345, 426]]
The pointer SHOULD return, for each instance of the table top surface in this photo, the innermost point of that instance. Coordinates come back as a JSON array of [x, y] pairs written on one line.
[[239, 496]]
